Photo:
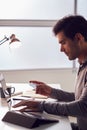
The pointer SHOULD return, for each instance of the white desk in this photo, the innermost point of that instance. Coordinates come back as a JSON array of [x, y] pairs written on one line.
[[63, 124]]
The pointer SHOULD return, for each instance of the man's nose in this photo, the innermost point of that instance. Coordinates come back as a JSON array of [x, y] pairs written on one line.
[[62, 48]]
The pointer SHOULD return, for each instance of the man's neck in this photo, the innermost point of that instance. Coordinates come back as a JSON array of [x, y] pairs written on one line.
[[81, 61]]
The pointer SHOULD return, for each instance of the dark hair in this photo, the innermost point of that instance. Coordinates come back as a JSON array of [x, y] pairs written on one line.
[[70, 25]]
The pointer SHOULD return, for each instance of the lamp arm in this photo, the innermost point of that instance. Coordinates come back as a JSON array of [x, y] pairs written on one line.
[[4, 40]]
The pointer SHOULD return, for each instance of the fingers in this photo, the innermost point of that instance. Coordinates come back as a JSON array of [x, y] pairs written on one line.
[[22, 103], [43, 89], [28, 103], [36, 82], [23, 109]]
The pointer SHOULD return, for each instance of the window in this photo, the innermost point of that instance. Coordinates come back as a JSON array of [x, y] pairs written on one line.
[[80, 10], [35, 9], [32, 21]]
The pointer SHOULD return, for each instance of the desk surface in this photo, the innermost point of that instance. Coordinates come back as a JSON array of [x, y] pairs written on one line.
[[63, 124]]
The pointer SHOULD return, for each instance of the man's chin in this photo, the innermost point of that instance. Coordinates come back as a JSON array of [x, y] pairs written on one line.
[[70, 58]]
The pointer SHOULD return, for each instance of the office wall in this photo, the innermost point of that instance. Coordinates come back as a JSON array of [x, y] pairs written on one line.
[[65, 77]]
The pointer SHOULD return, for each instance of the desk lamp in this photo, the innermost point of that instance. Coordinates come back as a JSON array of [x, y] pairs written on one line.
[[12, 39]]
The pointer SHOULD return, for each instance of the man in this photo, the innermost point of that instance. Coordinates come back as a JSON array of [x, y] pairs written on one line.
[[71, 32]]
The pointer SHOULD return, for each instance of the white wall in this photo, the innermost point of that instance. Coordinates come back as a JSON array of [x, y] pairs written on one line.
[[63, 76]]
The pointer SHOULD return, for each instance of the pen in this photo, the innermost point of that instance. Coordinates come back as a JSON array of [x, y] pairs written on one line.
[[21, 98], [17, 99]]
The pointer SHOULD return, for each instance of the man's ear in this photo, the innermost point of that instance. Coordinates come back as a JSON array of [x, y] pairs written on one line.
[[79, 37]]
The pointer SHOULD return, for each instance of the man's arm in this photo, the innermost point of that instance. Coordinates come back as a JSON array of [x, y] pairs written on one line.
[[73, 108], [61, 95]]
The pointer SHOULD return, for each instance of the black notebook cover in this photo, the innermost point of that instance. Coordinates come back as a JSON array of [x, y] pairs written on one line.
[[27, 120]]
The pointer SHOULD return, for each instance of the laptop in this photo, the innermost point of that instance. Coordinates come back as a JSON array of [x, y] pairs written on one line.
[[3, 86]]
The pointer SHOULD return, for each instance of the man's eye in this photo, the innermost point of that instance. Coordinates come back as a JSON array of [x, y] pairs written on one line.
[[63, 43]]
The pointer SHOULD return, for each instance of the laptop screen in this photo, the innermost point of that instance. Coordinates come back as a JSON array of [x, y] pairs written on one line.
[[3, 85]]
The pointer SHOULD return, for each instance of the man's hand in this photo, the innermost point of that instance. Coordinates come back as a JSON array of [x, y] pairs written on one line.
[[42, 88], [28, 105]]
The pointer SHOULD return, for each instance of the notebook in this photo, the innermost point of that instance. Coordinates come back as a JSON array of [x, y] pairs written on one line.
[[32, 94]]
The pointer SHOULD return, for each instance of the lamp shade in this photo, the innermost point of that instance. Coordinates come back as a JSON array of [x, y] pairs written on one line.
[[13, 39]]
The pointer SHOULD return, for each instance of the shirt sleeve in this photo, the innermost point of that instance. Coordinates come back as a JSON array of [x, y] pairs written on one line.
[[73, 108], [61, 95]]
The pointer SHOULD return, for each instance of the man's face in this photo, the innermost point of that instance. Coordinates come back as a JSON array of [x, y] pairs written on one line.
[[68, 46]]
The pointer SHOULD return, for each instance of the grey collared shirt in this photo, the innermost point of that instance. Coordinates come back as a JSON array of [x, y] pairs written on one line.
[[74, 104]]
